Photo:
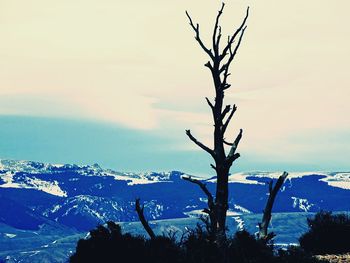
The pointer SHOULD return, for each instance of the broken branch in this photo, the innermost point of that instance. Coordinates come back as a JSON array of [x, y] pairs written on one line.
[[225, 125], [204, 189], [273, 190], [201, 145], [143, 220], [232, 156]]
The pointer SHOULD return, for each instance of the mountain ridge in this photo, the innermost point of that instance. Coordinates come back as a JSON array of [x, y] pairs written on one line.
[[46, 208], [70, 194]]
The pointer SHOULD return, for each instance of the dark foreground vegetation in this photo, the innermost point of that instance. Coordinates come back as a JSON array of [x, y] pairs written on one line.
[[109, 244], [328, 234]]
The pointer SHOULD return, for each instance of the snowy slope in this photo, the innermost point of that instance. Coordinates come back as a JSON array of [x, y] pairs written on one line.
[[71, 194]]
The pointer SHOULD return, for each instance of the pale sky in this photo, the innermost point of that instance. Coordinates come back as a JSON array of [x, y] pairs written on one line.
[[135, 65]]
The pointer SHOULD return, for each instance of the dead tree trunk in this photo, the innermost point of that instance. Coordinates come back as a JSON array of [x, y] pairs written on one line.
[[219, 65], [273, 191], [143, 220]]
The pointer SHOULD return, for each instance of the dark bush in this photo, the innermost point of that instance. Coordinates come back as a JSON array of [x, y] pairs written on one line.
[[162, 249], [198, 247], [108, 244], [328, 234], [245, 248]]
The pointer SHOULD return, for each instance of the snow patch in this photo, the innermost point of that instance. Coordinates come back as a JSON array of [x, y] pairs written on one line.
[[50, 187], [9, 235], [195, 213], [242, 209], [232, 213], [55, 208], [302, 204], [141, 178], [240, 178], [191, 206], [202, 199], [199, 212], [240, 223], [340, 180]]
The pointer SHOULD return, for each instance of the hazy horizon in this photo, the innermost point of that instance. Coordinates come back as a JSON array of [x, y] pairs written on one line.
[[55, 140]]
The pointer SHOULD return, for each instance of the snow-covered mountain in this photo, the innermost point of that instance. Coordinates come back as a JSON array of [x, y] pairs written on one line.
[[82, 196], [46, 208]]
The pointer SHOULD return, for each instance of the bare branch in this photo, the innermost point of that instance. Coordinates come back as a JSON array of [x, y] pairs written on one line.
[[209, 103], [225, 125], [204, 189], [143, 220], [232, 156], [201, 145], [197, 37], [273, 191], [213, 166], [211, 211], [216, 39], [279, 183], [227, 86], [208, 65], [225, 111], [224, 84], [227, 143], [232, 56], [230, 41], [212, 107], [206, 210]]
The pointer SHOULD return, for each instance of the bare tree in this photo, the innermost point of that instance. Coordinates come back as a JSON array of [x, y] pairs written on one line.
[[219, 66], [273, 191], [142, 218]]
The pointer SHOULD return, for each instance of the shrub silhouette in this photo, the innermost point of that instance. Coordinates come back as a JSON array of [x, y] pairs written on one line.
[[108, 244], [162, 249], [247, 248], [328, 234], [198, 246]]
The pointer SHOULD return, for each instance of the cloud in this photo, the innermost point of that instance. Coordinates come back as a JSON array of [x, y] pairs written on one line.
[[136, 64]]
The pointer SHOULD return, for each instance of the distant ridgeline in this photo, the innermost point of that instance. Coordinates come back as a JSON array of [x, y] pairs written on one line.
[[45, 209], [80, 197]]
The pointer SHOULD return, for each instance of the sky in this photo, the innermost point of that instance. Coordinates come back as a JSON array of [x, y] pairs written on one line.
[[118, 82]]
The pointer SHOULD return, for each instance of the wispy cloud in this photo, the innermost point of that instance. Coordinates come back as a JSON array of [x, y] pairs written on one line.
[[136, 64]]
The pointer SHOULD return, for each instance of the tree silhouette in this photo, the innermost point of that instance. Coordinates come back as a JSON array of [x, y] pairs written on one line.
[[219, 66], [273, 191], [142, 218]]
